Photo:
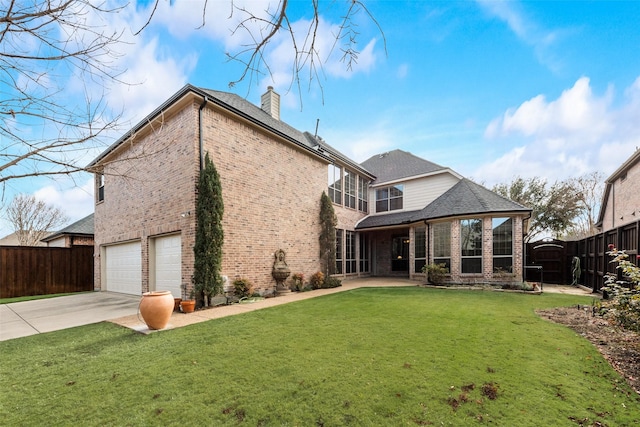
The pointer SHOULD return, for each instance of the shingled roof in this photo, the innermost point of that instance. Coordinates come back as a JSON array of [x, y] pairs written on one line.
[[398, 164], [230, 102], [467, 198], [82, 227], [464, 198]]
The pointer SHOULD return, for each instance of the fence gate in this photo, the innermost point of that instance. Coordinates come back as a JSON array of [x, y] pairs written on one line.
[[551, 255]]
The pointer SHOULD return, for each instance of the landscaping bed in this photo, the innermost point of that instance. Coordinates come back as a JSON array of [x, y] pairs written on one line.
[[620, 347]]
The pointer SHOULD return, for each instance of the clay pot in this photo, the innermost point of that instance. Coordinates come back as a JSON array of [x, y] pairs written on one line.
[[188, 306], [156, 308]]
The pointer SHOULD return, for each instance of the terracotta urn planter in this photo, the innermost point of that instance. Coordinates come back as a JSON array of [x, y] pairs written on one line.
[[156, 308], [188, 306]]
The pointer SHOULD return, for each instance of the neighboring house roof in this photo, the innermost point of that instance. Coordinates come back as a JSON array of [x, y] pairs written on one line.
[[464, 198], [397, 164], [621, 171], [230, 102], [82, 227], [12, 240]]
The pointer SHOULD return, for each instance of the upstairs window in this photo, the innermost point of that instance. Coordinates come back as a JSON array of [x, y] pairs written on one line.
[[335, 184], [349, 189], [363, 195], [389, 198], [100, 183]]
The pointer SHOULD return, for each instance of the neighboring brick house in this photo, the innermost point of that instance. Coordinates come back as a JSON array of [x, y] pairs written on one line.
[[621, 201], [391, 209], [80, 233]]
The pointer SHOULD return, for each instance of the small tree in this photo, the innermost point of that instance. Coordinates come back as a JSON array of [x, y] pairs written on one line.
[[209, 235], [32, 219], [328, 223], [554, 208], [624, 304]]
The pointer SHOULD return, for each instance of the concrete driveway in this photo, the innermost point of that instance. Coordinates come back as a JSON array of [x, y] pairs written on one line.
[[20, 319]]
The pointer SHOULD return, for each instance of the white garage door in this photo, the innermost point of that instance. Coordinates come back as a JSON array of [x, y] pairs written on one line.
[[124, 268], [168, 264]]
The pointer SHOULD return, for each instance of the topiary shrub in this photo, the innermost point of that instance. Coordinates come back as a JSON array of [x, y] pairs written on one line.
[[317, 280], [242, 288]]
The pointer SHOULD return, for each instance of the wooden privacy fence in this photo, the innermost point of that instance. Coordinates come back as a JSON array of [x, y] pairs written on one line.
[[592, 251], [26, 271]]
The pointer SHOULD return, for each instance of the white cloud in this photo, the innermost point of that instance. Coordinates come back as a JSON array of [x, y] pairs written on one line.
[[526, 29], [576, 111], [76, 202], [576, 133]]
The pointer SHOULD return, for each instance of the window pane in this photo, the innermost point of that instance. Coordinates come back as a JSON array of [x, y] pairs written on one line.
[[335, 184], [420, 242], [471, 265], [338, 251], [382, 205], [350, 252], [364, 253], [471, 237], [349, 189], [442, 240], [503, 264], [502, 236], [395, 204], [363, 196]]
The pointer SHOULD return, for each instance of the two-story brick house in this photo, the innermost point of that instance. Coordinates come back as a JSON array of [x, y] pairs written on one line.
[[396, 212]]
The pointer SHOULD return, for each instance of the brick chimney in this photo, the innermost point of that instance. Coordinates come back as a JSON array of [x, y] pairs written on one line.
[[271, 103]]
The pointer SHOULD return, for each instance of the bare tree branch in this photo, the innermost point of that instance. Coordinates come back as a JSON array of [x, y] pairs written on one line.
[[33, 219]]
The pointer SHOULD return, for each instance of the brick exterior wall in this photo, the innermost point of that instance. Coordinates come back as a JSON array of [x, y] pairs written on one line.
[[487, 274], [147, 188], [271, 192], [623, 204]]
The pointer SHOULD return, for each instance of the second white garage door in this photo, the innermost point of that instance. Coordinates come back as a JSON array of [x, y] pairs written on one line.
[[168, 264], [124, 268]]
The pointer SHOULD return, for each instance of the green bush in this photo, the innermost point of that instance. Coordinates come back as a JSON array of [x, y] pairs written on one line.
[[332, 282], [624, 304], [242, 288], [435, 272]]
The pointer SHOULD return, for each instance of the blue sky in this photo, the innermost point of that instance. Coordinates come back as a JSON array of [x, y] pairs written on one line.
[[491, 89]]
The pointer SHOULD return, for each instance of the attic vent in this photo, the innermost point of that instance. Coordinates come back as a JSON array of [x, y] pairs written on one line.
[[270, 103], [384, 155]]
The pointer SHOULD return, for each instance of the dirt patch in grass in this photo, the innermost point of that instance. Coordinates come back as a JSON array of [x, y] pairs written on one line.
[[620, 347]]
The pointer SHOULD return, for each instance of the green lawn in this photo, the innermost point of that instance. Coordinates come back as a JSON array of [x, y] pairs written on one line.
[[370, 357]]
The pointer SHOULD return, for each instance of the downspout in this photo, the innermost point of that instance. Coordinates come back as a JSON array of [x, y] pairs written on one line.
[[200, 143]]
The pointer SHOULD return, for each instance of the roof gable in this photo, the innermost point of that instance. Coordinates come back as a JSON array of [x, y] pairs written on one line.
[[228, 101], [464, 198], [397, 164], [467, 198]]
